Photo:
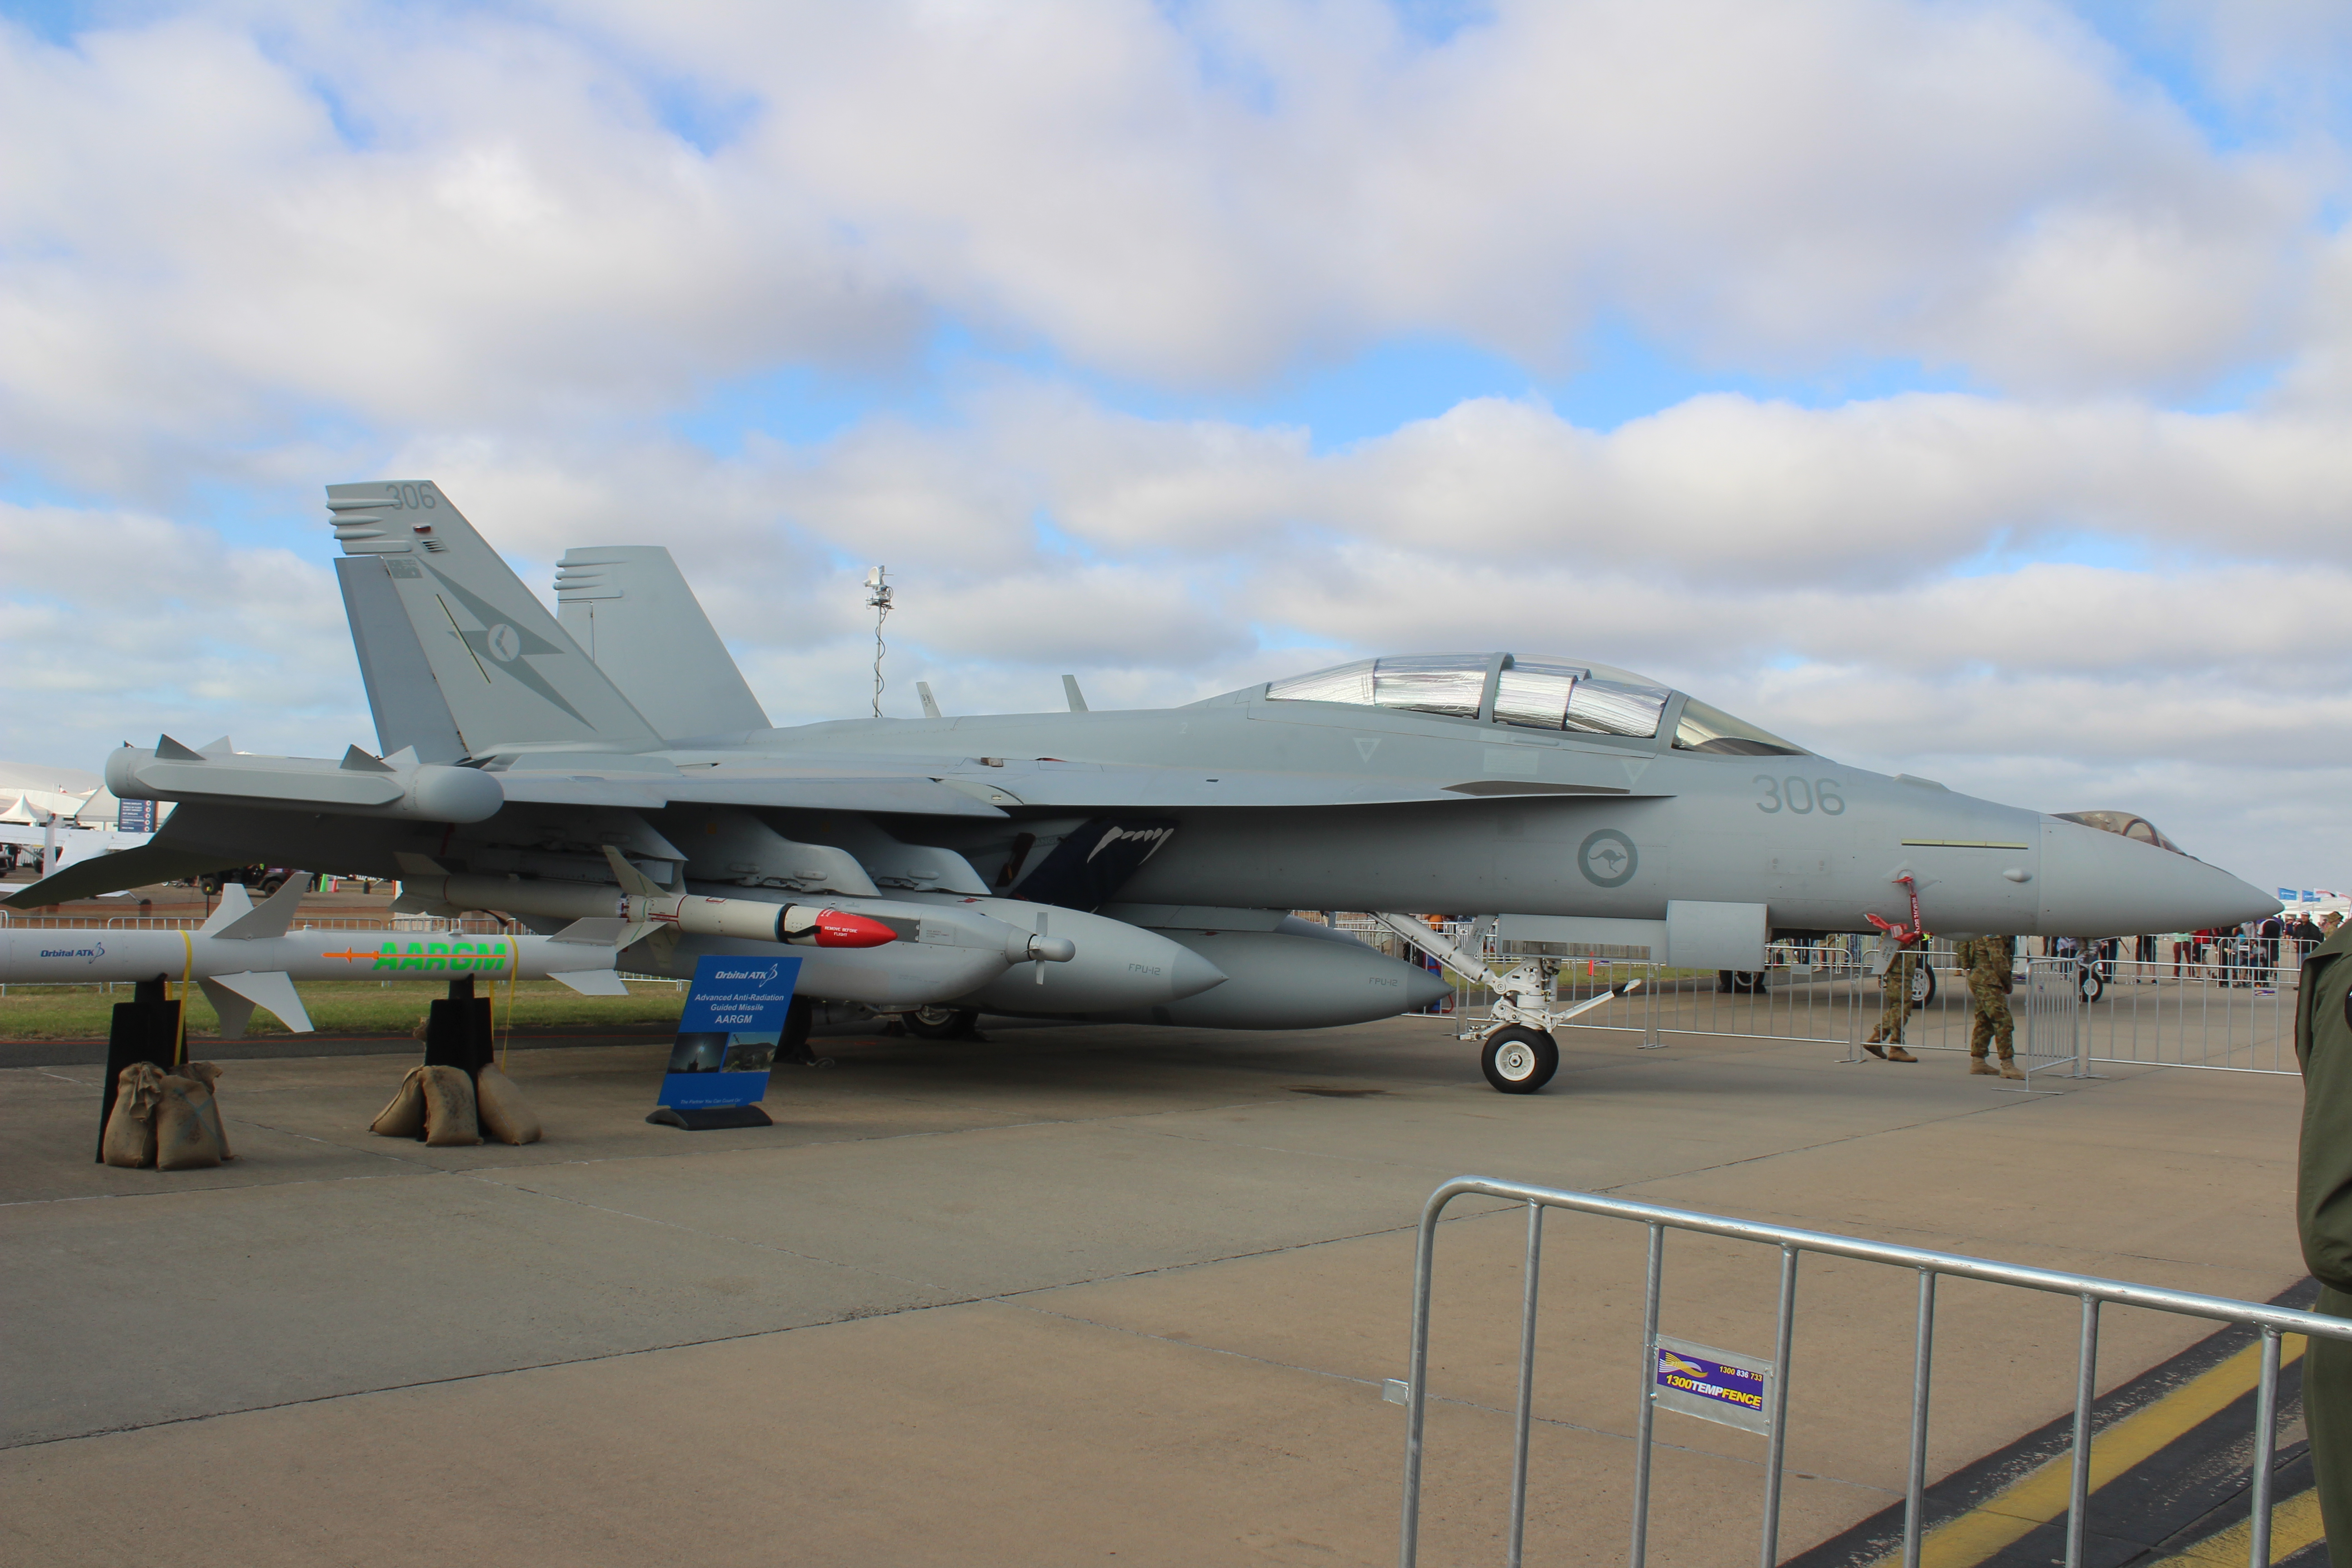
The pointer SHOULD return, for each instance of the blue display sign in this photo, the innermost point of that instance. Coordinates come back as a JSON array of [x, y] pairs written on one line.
[[1712, 1384], [728, 1035], [134, 817]]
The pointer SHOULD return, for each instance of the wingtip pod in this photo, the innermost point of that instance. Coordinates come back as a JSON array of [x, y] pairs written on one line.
[[429, 792]]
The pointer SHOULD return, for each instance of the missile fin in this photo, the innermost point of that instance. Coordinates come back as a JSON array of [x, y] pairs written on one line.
[[236, 1012], [236, 903], [634, 881], [273, 915], [596, 932], [273, 990], [170, 751], [592, 982], [359, 761]]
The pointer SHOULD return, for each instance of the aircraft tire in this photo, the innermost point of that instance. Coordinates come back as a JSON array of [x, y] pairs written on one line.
[[941, 1023], [1923, 986], [1744, 982], [1518, 1061], [2090, 984]]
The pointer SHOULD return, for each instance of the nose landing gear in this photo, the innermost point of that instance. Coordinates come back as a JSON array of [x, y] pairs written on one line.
[[1518, 1061], [1516, 1047]]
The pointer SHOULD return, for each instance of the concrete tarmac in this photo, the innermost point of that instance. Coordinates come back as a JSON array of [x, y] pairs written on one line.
[[1073, 1295]]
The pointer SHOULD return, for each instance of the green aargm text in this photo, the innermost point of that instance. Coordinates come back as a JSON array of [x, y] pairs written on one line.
[[470, 957]]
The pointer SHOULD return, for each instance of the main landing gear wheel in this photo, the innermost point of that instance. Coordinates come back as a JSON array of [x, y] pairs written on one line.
[[1518, 1061], [940, 1023], [1923, 986], [2089, 983]]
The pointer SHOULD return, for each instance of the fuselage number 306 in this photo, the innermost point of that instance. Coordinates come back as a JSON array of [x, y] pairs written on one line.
[[1799, 795]]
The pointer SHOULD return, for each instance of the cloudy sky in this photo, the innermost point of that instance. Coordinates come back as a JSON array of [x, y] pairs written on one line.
[[1962, 388]]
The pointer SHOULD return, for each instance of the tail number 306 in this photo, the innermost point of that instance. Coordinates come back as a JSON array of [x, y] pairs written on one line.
[[1799, 795]]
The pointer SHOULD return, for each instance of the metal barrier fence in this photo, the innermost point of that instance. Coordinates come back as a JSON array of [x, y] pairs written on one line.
[[1770, 1397], [2234, 1010]]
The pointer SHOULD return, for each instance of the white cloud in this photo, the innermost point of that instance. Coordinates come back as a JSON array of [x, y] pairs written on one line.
[[221, 224]]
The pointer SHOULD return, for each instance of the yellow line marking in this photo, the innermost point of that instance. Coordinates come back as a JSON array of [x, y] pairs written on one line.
[[2294, 1524], [2040, 1497]]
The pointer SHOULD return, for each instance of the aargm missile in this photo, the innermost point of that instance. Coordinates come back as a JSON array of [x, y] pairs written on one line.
[[245, 957]]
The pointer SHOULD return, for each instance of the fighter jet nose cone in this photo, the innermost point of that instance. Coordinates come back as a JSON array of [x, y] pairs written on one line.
[[2095, 883], [2258, 906], [1191, 974], [1424, 987]]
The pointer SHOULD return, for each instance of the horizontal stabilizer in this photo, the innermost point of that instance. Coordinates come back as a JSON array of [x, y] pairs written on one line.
[[140, 867]]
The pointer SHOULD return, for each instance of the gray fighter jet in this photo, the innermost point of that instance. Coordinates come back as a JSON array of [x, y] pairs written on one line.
[[1132, 866]]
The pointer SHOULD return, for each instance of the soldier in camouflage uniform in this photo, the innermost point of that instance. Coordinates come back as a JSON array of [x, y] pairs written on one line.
[[1990, 960], [1885, 1041], [2323, 1212]]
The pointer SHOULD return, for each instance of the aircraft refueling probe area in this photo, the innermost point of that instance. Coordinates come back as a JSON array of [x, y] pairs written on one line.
[[1010, 1131]]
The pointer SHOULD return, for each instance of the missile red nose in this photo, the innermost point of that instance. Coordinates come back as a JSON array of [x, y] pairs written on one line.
[[836, 928]]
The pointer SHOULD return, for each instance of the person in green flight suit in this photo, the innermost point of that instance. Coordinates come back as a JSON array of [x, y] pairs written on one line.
[[2323, 1216]]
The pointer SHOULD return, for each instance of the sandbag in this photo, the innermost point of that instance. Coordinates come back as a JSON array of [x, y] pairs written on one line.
[[199, 1078], [129, 1140], [450, 1119], [504, 1115], [405, 1117], [183, 1139]]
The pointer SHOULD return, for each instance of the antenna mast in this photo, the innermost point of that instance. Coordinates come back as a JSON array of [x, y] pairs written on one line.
[[877, 599]]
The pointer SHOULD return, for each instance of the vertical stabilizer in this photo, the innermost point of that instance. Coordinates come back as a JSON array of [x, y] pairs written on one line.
[[505, 670], [629, 606]]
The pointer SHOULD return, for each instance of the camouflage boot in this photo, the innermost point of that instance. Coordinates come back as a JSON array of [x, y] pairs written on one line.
[[1978, 1065]]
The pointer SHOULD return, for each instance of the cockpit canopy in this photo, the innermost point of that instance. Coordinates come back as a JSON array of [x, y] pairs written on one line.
[[2138, 828], [1530, 691]]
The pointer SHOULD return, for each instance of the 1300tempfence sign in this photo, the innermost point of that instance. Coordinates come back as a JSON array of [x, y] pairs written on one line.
[[1712, 1384]]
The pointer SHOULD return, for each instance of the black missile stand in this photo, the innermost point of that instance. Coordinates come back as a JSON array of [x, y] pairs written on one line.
[[144, 1029], [457, 1031]]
